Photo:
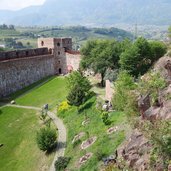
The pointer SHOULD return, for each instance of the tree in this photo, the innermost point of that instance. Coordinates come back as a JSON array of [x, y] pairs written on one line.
[[158, 49], [138, 58], [130, 61], [99, 55], [76, 79], [76, 96], [46, 138], [123, 85]]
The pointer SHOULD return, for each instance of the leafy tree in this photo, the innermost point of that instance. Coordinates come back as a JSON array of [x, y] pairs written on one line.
[[76, 96], [99, 55], [130, 60], [46, 138], [158, 49], [76, 79], [123, 85], [62, 163], [138, 58]]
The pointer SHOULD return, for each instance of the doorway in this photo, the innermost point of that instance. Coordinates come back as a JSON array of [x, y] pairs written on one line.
[[60, 71]]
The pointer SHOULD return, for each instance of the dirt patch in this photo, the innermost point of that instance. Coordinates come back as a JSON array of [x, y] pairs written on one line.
[[77, 137], [85, 144], [85, 158]]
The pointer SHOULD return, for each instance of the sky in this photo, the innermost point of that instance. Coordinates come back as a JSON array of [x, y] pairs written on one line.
[[18, 4]]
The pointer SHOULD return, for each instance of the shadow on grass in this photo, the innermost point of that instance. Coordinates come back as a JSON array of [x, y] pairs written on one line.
[[85, 107], [0, 112], [26, 89], [56, 147]]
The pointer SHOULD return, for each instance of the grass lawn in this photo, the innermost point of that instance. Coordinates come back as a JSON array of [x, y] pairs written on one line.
[[105, 144], [51, 92], [17, 132]]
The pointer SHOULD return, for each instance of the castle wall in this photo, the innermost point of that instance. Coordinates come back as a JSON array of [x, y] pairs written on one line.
[[16, 74], [21, 68], [73, 59], [23, 53]]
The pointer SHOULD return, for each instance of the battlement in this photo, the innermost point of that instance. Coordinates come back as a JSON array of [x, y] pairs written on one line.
[[55, 43], [23, 53]]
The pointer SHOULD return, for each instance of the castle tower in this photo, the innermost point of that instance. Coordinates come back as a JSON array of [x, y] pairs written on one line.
[[59, 47]]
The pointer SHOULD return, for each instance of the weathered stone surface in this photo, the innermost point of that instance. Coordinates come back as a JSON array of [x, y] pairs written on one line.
[[18, 73], [23, 53], [136, 151], [21, 68]]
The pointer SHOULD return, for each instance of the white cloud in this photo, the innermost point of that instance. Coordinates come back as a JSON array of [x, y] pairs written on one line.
[[18, 4]]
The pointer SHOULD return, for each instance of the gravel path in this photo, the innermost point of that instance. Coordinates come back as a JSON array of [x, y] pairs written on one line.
[[60, 149]]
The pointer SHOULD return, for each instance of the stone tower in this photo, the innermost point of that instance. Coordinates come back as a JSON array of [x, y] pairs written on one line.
[[58, 47]]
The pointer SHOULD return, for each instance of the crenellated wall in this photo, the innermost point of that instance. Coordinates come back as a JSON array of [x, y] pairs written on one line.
[[23, 53], [18, 73], [21, 68]]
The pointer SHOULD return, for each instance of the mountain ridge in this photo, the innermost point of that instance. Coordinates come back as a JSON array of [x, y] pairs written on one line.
[[95, 13]]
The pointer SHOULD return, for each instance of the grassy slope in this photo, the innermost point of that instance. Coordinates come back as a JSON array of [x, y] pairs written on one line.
[[105, 144], [17, 132], [51, 92]]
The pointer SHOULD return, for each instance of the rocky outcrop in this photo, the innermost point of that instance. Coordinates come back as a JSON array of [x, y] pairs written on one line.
[[136, 152]]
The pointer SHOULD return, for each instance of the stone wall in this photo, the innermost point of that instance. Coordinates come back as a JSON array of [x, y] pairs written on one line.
[[23, 53], [16, 74], [73, 60], [109, 91]]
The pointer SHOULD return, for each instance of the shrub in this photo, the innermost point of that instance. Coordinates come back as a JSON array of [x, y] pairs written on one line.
[[105, 118], [64, 106], [46, 138], [100, 155], [123, 85], [76, 96], [62, 163]]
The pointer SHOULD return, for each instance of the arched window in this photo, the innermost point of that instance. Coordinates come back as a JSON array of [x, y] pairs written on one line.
[[42, 43], [58, 44], [59, 53], [50, 51]]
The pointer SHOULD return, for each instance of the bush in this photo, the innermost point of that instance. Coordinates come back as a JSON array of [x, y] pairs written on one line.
[[123, 85], [100, 155], [63, 106], [46, 139], [62, 163], [105, 118], [76, 96]]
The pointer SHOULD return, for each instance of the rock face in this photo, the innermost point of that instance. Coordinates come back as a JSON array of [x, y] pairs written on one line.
[[136, 152], [162, 107], [163, 66]]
